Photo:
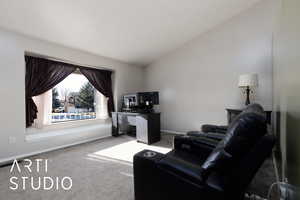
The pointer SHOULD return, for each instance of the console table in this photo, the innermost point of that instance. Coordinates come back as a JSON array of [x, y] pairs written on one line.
[[232, 113], [146, 126]]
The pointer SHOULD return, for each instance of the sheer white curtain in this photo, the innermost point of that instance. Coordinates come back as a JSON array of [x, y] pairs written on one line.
[[101, 105], [44, 106]]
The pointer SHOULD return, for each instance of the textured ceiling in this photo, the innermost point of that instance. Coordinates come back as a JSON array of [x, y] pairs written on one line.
[[133, 31]]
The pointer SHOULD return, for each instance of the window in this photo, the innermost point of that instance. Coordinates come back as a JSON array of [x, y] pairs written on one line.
[[72, 99]]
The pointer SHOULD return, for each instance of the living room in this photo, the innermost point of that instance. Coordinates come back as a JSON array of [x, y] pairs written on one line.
[[87, 86]]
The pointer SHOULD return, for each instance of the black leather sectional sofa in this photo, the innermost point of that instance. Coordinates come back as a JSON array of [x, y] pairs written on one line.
[[202, 169]]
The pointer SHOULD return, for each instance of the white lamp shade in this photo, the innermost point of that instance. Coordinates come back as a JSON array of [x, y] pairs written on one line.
[[248, 80]]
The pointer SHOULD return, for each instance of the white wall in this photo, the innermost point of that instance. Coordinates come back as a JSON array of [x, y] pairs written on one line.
[[199, 80], [286, 89], [12, 89]]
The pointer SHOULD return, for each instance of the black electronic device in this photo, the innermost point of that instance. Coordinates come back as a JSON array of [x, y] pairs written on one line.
[[140, 102]]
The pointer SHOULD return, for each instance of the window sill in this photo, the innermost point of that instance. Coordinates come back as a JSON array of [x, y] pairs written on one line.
[[59, 129]]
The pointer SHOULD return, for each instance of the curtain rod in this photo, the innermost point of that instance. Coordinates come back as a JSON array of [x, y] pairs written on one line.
[[27, 53]]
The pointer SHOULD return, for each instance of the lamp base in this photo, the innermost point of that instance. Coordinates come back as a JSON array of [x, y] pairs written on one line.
[[247, 96]]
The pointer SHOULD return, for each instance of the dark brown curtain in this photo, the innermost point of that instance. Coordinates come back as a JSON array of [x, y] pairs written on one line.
[[41, 76], [101, 80]]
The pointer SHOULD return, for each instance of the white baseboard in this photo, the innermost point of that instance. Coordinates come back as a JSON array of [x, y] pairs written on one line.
[[173, 132], [8, 160]]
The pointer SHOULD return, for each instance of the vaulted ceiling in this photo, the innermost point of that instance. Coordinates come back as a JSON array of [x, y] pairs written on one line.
[[133, 31]]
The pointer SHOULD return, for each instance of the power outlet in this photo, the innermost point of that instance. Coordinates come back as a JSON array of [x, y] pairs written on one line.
[[12, 140]]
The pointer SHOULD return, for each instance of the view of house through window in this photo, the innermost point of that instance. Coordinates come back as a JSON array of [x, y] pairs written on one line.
[[73, 99]]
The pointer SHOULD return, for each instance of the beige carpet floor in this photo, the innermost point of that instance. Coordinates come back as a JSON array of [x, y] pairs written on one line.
[[99, 170]]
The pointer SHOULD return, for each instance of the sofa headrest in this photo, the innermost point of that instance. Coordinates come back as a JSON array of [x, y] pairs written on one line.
[[244, 132], [255, 107], [241, 136]]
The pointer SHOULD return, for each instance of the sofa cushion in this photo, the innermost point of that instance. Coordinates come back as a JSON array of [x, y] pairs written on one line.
[[241, 135], [183, 164]]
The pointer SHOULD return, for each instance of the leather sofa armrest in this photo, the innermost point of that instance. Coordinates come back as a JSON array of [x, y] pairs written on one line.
[[206, 128], [151, 156], [146, 175], [196, 145], [147, 158]]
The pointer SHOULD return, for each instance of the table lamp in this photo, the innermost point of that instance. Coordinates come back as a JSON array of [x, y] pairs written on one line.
[[248, 82]]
